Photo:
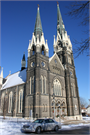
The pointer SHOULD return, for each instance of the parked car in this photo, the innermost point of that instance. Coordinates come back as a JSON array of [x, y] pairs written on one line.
[[41, 125]]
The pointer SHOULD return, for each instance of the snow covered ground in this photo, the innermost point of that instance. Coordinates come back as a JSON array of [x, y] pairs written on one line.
[[10, 126], [86, 118], [13, 128]]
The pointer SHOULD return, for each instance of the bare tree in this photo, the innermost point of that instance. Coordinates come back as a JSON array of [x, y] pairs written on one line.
[[80, 9], [83, 102]]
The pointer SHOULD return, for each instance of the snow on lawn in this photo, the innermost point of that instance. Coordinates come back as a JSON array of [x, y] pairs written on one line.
[[10, 128], [86, 118], [13, 128]]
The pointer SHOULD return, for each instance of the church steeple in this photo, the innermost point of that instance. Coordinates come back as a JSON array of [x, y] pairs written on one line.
[[23, 62], [60, 25], [38, 27], [37, 44], [62, 40]]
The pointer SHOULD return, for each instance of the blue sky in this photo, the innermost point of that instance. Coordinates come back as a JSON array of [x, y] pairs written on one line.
[[17, 25]]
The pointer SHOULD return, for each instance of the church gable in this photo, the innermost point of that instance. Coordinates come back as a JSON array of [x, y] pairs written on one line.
[[55, 65]]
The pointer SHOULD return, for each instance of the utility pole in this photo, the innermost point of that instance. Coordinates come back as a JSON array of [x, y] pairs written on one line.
[[59, 114], [54, 104]]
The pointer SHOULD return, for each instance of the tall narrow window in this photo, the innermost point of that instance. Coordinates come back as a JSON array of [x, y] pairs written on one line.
[[10, 102], [73, 90], [20, 101], [41, 84], [45, 85], [44, 91], [33, 49], [30, 84], [33, 84], [33, 52], [42, 52]]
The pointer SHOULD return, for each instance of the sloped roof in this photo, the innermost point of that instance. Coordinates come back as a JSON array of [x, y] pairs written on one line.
[[57, 58], [15, 79], [88, 106]]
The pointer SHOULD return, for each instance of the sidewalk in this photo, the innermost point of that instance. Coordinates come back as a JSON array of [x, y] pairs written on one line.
[[68, 122]]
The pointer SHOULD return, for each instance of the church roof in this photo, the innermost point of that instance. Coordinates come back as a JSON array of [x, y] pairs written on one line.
[[57, 58], [15, 79], [88, 106]]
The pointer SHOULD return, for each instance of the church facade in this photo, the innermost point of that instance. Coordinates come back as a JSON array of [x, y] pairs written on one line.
[[47, 83]]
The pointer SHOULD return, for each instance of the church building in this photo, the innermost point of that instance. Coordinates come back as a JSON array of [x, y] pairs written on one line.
[[46, 83]]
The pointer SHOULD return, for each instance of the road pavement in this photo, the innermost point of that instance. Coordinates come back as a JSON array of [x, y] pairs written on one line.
[[81, 130]]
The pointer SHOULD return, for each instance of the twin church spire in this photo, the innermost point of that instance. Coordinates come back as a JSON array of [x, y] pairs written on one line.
[[62, 40], [60, 25], [38, 44], [38, 26]]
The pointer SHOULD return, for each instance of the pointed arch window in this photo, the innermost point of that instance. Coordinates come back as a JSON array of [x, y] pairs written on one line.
[[41, 84], [30, 85], [69, 60], [73, 90], [57, 87], [43, 50], [33, 49], [10, 102], [44, 91], [33, 52], [20, 101], [33, 84]]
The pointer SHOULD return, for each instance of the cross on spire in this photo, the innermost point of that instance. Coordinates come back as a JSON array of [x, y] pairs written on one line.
[[57, 3], [38, 5]]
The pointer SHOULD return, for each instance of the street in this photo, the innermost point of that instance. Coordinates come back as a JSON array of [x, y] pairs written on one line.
[[13, 128], [81, 130]]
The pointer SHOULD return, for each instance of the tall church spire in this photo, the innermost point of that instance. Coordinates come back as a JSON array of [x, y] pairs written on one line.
[[37, 44], [38, 26], [62, 40], [60, 25], [23, 62]]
